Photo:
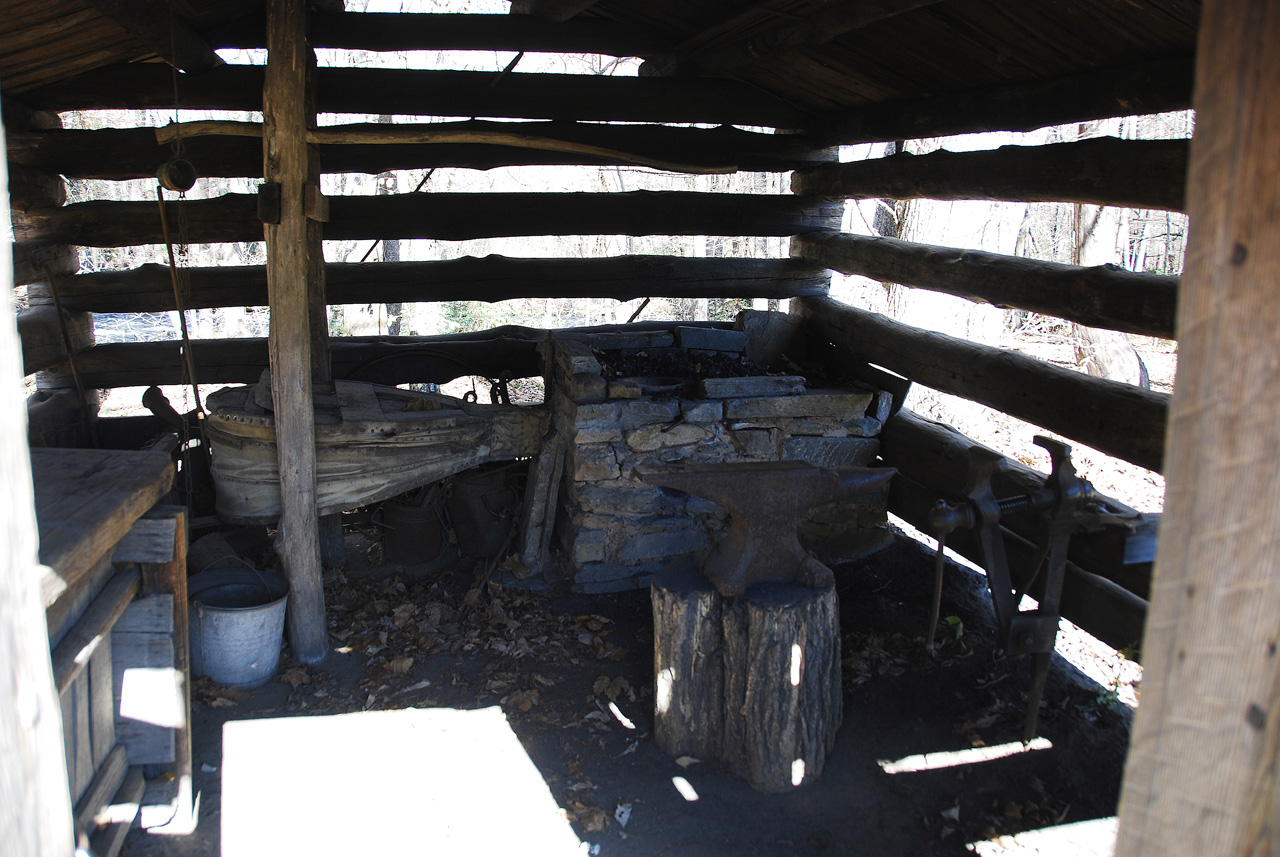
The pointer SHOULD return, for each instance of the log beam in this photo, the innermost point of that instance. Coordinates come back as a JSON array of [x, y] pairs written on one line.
[[567, 97], [130, 153], [1156, 86], [492, 278], [286, 157], [444, 216], [381, 359], [159, 26], [720, 57], [41, 332], [1118, 419], [1201, 772], [550, 10], [1101, 171], [1104, 296], [386, 31]]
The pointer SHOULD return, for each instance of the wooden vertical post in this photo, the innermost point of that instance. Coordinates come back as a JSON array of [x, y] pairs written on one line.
[[289, 261], [1203, 762], [35, 799]]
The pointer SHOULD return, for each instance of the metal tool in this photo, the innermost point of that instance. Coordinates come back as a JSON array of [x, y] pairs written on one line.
[[1061, 502], [766, 501]]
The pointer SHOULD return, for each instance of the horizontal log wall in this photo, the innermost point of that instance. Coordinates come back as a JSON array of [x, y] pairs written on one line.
[[566, 97], [444, 216], [1150, 87], [128, 153], [384, 359], [1105, 296], [1119, 419], [493, 278], [1101, 171], [377, 31]]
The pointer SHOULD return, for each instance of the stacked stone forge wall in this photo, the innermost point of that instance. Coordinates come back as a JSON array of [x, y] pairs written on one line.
[[617, 532]]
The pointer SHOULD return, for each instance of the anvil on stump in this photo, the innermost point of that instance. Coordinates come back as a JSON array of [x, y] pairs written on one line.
[[747, 654]]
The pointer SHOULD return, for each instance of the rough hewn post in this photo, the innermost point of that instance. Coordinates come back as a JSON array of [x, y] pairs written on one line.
[[285, 156], [1202, 770]]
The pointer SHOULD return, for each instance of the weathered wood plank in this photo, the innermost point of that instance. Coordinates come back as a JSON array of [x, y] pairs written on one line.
[[1100, 171], [1105, 296], [1156, 86], [147, 288], [149, 540], [102, 721], [569, 97], [288, 253], [1201, 773], [35, 802], [72, 655], [140, 704], [75, 730], [86, 500], [445, 216], [1118, 419], [106, 782], [108, 841], [150, 614]]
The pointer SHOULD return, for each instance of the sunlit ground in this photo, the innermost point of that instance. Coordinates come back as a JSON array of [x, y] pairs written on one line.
[[431, 782]]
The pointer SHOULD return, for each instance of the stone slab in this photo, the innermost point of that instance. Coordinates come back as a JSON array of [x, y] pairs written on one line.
[[653, 438], [711, 339], [594, 462], [756, 443], [844, 404], [754, 385]]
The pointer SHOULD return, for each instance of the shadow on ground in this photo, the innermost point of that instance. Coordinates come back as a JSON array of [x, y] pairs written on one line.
[[555, 661]]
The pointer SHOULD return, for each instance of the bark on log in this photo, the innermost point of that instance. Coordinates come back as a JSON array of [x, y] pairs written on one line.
[[1149, 87], [1118, 419], [147, 288], [125, 153], [444, 216], [751, 681], [1104, 296], [937, 457], [390, 31], [688, 665], [833, 20], [567, 97], [1101, 171], [1106, 610]]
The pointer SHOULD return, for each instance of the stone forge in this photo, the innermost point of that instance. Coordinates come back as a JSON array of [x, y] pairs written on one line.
[[615, 531]]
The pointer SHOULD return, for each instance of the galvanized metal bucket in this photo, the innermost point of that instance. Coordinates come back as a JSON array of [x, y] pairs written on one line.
[[237, 622]]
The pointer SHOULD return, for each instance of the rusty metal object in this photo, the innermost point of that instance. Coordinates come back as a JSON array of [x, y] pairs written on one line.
[[1062, 502], [766, 501]]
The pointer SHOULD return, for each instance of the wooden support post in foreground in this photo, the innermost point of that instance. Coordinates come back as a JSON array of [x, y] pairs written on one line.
[[1202, 770], [35, 801], [285, 156]]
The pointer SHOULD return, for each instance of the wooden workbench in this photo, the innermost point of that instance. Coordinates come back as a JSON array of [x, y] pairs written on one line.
[[104, 542]]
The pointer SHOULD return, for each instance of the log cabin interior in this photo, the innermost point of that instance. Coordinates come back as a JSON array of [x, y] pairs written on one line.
[[313, 425]]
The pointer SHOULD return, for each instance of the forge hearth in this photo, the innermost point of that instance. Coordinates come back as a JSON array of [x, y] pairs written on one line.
[[696, 395]]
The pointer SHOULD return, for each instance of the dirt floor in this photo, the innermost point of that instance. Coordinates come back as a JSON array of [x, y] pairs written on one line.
[[406, 636]]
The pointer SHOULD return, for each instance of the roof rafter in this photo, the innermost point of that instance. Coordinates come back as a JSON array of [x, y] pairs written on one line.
[[158, 25]]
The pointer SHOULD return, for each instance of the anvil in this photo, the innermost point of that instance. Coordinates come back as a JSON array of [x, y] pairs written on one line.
[[766, 501]]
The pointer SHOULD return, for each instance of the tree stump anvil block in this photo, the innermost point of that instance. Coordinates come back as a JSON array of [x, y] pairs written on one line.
[[766, 501]]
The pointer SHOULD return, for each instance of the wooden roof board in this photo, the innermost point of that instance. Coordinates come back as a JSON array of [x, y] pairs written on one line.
[[947, 47]]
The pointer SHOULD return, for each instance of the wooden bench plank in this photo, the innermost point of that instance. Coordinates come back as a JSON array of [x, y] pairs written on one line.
[[72, 655]]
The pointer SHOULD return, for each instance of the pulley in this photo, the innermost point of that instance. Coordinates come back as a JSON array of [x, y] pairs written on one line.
[[177, 174]]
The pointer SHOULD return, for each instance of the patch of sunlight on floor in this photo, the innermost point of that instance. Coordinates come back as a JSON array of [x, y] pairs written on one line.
[[955, 758], [438, 782], [1093, 838]]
